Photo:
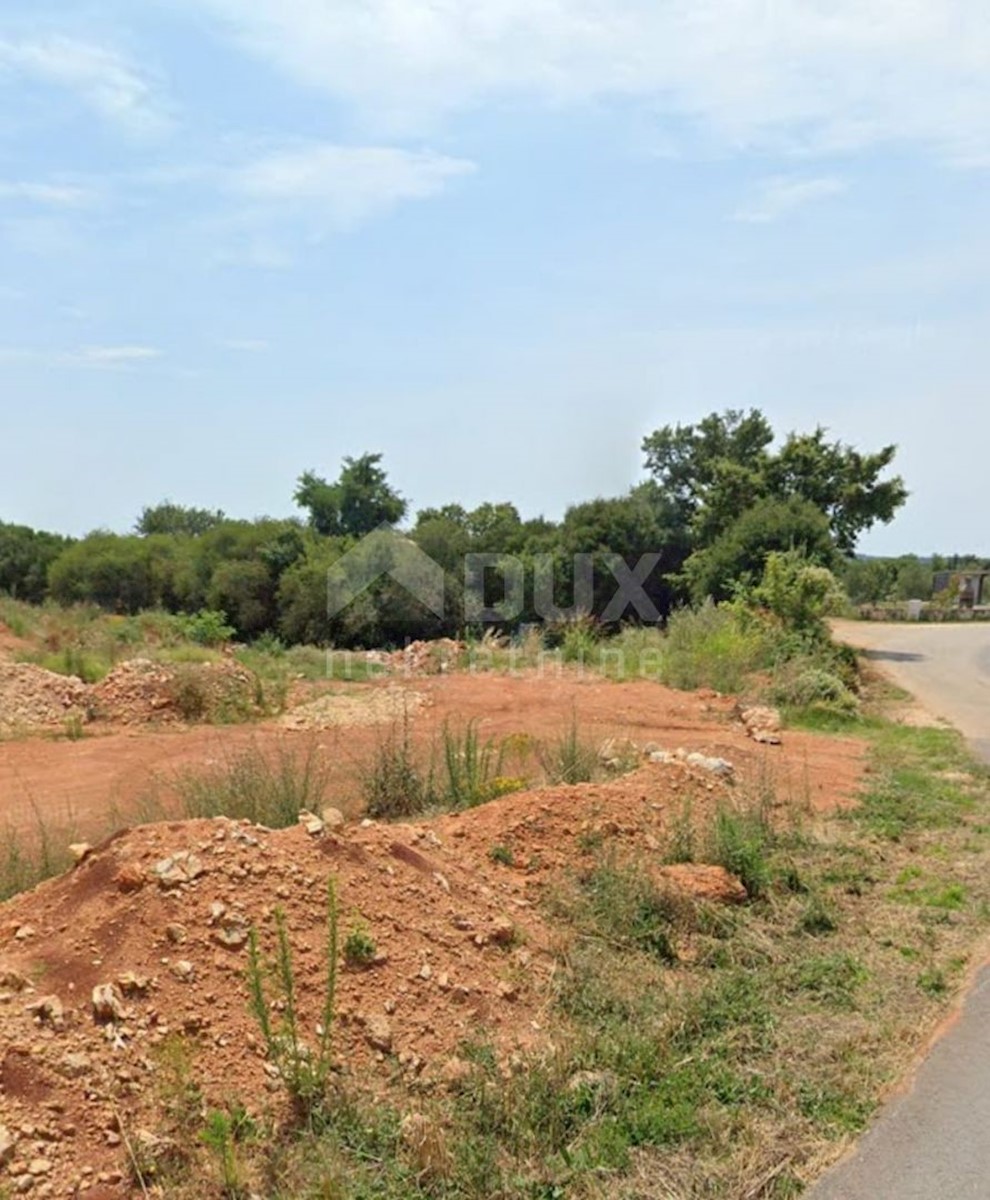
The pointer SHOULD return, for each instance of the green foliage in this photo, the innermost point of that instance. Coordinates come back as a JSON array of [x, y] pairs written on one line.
[[27, 859], [170, 518], [359, 948], [741, 840], [392, 783], [220, 1136], [268, 787], [715, 647], [799, 593], [208, 628], [303, 1068], [360, 501], [739, 556], [471, 767], [25, 558], [502, 855], [569, 758]]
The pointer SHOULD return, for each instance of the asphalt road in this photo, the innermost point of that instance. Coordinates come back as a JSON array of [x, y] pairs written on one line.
[[932, 1142]]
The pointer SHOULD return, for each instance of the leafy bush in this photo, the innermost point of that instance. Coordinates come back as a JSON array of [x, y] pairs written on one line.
[[812, 687], [716, 647], [208, 627]]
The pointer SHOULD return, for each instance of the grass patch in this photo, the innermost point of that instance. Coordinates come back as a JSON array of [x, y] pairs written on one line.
[[268, 788]]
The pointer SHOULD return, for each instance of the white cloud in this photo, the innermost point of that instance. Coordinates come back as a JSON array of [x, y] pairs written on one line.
[[782, 195], [100, 77], [54, 195], [805, 75], [115, 356], [340, 186]]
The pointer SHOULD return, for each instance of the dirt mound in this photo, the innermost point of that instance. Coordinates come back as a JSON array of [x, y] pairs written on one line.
[[141, 691], [31, 697], [157, 919], [375, 706], [419, 658]]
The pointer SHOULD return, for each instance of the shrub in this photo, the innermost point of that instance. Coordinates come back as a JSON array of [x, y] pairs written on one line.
[[471, 768], [714, 647], [803, 686], [359, 948], [208, 628], [392, 784]]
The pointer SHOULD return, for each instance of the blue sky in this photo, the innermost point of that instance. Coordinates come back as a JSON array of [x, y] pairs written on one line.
[[498, 241]]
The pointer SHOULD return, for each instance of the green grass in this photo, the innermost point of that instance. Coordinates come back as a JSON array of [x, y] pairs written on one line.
[[910, 792], [268, 787]]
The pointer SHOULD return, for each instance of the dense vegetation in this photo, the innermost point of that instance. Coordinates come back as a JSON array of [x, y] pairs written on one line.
[[718, 499]]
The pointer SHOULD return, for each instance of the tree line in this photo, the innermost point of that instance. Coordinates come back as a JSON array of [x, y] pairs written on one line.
[[719, 496]]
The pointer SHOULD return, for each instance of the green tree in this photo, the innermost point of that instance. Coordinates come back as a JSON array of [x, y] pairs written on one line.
[[177, 519], [716, 469], [25, 557], [361, 499], [738, 557]]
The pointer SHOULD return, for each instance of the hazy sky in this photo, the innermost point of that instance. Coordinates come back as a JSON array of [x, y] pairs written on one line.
[[497, 240]]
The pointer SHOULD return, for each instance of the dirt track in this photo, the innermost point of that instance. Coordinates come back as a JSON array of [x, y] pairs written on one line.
[[81, 783]]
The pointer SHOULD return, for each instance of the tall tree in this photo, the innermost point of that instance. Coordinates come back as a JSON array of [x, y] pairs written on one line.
[[715, 470], [177, 518], [359, 501]]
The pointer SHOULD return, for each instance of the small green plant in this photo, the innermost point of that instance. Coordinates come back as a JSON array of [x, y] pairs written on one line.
[[470, 768], [682, 845], [740, 841], [570, 759], [819, 916], [74, 727], [303, 1069], [208, 628], [392, 784], [933, 981], [502, 855], [359, 948], [219, 1135]]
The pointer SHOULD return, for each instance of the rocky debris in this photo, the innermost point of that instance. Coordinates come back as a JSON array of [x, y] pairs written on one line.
[[47, 1010], [140, 691], [107, 1004], [332, 818], [377, 705], [762, 724], [11, 979], [617, 754], [705, 882], [702, 762], [419, 658], [33, 698], [313, 824], [130, 877], [8, 1145], [178, 869], [80, 851], [378, 1033]]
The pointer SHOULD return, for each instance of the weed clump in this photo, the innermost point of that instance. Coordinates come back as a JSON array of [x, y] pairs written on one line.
[[303, 1068]]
